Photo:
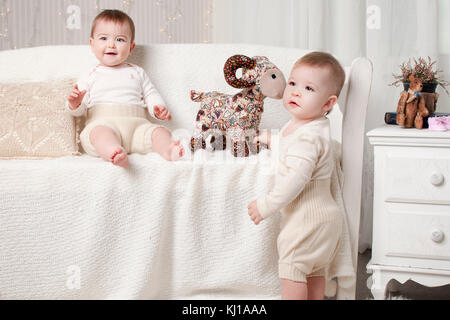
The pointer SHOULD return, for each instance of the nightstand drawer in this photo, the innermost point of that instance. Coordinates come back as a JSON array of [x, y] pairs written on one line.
[[417, 179], [418, 235]]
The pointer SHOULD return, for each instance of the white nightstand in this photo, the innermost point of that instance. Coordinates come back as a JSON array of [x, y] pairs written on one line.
[[411, 207]]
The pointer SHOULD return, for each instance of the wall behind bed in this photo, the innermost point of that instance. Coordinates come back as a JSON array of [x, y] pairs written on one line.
[[31, 23]]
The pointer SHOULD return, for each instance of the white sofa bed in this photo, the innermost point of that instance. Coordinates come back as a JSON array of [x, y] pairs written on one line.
[[77, 227]]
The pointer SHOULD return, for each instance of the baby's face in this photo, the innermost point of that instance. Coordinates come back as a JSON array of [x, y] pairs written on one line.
[[111, 43], [308, 94]]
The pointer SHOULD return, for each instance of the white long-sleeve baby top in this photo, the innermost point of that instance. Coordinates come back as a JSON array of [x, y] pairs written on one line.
[[304, 155], [125, 84]]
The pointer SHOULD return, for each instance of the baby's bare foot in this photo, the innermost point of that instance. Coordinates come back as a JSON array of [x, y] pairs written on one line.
[[120, 158], [175, 151]]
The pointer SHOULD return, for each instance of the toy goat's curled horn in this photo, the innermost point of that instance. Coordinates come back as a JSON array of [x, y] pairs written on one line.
[[233, 63]]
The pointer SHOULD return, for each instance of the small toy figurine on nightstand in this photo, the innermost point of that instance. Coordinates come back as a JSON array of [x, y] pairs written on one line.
[[411, 106], [420, 79]]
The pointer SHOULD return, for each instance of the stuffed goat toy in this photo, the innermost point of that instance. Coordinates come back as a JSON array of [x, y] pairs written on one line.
[[236, 117]]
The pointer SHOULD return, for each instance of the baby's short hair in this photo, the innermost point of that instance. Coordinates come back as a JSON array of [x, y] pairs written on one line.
[[325, 60], [114, 16]]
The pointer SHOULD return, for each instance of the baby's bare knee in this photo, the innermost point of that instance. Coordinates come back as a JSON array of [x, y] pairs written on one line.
[[99, 132], [161, 133]]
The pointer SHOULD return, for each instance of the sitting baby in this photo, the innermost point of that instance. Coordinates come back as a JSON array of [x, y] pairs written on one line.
[[115, 93]]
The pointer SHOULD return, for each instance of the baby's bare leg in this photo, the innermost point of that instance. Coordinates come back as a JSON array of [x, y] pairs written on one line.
[[316, 287], [163, 144], [107, 145], [291, 290]]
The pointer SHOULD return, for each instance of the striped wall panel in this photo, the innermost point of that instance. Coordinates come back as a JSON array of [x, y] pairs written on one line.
[[29, 23]]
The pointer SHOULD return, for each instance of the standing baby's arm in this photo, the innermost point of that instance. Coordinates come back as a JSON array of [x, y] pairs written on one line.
[[300, 162], [254, 213]]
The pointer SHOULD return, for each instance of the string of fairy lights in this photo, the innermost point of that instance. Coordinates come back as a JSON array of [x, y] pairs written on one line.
[[171, 11], [175, 15], [126, 5], [4, 13], [171, 17]]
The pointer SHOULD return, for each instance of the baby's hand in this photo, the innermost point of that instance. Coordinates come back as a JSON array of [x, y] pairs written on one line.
[[161, 112], [253, 212], [264, 137], [76, 97]]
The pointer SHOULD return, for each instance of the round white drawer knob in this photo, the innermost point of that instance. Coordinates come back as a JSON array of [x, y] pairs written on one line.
[[437, 235], [437, 179]]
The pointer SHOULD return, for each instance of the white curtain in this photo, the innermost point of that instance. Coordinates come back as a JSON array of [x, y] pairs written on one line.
[[386, 31]]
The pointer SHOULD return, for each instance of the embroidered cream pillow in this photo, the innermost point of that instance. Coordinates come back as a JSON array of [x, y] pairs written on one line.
[[34, 122]]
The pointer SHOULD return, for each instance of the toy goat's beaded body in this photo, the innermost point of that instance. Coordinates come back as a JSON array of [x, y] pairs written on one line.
[[234, 116]]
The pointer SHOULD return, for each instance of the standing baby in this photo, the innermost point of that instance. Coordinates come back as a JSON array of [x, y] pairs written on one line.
[[311, 221], [114, 94]]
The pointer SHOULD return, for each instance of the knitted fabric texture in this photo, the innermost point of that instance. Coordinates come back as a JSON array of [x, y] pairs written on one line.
[[33, 120]]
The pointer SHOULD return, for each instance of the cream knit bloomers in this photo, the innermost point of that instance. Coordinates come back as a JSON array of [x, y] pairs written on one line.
[[129, 122], [311, 230]]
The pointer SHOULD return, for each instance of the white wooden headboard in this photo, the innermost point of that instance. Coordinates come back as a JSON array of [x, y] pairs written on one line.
[[357, 95]]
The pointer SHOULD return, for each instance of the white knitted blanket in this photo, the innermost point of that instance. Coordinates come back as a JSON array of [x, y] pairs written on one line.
[[81, 228], [78, 227]]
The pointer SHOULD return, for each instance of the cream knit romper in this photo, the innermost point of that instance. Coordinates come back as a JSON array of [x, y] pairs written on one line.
[[130, 123], [311, 223]]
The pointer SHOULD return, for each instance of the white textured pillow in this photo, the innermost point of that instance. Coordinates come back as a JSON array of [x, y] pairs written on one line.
[[33, 120]]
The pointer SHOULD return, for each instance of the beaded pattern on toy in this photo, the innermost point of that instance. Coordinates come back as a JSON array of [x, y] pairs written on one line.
[[236, 117]]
